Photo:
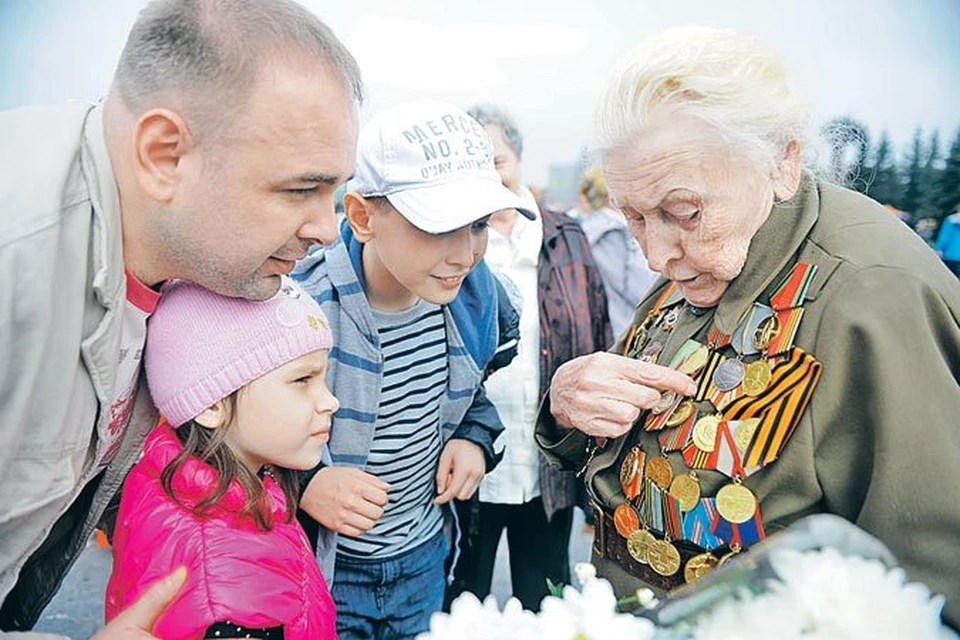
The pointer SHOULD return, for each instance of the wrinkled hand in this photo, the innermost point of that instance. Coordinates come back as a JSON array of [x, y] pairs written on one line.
[[462, 467], [345, 499], [136, 622], [602, 394]]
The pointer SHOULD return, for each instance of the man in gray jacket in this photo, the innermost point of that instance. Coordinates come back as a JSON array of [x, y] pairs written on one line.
[[215, 157]]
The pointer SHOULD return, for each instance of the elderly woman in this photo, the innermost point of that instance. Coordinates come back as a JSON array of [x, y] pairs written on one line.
[[800, 354]]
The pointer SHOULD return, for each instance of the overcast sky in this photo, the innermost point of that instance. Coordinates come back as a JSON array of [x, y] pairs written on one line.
[[894, 64]]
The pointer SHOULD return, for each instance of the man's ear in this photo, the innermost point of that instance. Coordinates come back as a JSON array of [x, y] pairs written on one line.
[[213, 417], [786, 175], [161, 139], [359, 212]]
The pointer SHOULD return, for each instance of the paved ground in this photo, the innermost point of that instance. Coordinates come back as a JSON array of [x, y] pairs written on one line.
[[77, 611]]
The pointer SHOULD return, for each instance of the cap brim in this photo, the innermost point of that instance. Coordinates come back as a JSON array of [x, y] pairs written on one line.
[[444, 207]]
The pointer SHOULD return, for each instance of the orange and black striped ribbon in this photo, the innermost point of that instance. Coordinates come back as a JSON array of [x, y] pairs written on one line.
[[705, 380], [779, 408], [697, 458]]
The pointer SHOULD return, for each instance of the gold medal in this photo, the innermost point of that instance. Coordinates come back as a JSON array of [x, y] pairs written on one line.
[[705, 432], [660, 471], [736, 503], [631, 473], [745, 431], [626, 520], [686, 489], [696, 361], [756, 377], [699, 566], [663, 558], [667, 398], [766, 332], [683, 411], [638, 544]]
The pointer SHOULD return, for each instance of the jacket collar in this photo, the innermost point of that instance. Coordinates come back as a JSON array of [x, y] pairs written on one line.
[[771, 250], [473, 311], [108, 274], [193, 481]]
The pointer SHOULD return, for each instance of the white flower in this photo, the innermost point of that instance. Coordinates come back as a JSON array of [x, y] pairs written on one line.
[[590, 615], [850, 597], [584, 571], [646, 598], [470, 620], [823, 595]]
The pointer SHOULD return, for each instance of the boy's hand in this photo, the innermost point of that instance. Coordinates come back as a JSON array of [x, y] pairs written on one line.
[[345, 499], [461, 469], [137, 621]]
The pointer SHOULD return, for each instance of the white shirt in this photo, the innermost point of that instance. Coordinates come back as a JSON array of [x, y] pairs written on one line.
[[515, 389]]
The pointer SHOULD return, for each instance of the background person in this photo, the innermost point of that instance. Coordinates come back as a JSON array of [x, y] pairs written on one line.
[[626, 276], [564, 315]]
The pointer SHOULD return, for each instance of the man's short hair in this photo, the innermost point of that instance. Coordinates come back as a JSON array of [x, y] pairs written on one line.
[[208, 53]]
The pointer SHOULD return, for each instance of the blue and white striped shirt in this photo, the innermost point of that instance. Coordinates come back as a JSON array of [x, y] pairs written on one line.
[[407, 440]]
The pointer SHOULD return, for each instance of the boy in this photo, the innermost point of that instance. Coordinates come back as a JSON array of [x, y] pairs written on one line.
[[417, 320]]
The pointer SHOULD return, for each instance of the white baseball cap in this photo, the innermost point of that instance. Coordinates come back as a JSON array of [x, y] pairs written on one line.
[[434, 163]]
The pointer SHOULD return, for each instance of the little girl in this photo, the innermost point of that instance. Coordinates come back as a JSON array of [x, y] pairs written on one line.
[[243, 403]]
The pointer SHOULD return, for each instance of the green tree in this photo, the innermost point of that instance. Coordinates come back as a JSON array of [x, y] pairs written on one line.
[[883, 184], [932, 166], [948, 188], [913, 176]]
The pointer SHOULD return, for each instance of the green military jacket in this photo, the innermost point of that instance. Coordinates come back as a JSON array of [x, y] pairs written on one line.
[[879, 441]]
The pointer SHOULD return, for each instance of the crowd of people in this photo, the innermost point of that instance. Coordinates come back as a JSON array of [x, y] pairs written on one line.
[[294, 426]]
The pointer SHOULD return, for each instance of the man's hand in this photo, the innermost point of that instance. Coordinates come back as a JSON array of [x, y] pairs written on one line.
[[136, 622], [460, 471], [345, 499], [602, 394]]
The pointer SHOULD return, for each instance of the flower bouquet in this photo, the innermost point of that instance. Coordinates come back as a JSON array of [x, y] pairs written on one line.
[[820, 579]]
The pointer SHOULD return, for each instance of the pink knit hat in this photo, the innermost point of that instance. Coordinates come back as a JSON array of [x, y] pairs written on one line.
[[202, 346]]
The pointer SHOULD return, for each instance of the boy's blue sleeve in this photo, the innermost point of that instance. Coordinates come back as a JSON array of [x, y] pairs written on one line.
[[482, 426]]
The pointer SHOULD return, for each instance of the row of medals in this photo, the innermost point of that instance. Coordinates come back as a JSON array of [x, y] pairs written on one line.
[[735, 502]]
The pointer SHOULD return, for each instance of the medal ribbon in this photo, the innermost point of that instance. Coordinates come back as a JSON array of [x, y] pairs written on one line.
[[789, 323], [779, 408], [729, 462], [698, 522], [745, 534], [675, 439], [652, 505], [793, 288], [671, 511], [717, 340], [628, 346]]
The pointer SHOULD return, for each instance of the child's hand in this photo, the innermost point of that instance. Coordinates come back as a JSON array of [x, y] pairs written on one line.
[[461, 469], [137, 621], [345, 499]]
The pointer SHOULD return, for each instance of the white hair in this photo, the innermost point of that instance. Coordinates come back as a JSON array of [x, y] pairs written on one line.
[[731, 81]]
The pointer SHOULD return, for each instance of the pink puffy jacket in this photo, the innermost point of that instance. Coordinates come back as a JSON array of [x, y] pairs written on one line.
[[236, 572]]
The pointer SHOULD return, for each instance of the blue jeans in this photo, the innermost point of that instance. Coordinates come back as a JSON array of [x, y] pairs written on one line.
[[390, 598]]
